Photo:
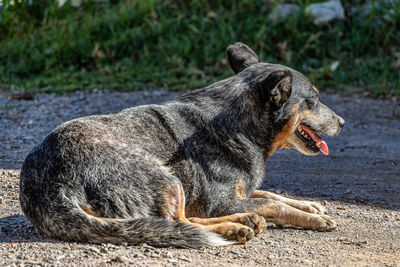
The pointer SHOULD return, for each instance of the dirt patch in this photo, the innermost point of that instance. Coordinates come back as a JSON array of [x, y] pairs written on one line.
[[359, 183]]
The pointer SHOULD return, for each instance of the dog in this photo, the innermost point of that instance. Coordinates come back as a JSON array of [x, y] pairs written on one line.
[[184, 173]]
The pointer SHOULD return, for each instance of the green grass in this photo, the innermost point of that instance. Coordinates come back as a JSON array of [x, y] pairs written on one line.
[[180, 45]]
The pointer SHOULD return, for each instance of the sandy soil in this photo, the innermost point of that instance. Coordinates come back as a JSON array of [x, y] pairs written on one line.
[[359, 183]]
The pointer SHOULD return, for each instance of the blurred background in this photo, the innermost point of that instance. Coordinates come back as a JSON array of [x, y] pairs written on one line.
[[67, 45]]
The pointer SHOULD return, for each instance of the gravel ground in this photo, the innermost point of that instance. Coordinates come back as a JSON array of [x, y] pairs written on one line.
[[359, 182]]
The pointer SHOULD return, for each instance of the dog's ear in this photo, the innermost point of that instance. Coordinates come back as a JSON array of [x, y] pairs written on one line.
[[240, 56], [277, 88]]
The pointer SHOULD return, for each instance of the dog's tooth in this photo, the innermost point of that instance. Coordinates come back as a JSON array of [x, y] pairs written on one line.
[[318, 144]]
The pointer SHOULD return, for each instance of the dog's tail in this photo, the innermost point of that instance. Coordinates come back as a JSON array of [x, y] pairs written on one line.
[[153, 231], [78, 226]]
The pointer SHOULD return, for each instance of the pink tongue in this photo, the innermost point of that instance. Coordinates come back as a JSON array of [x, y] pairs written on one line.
[[323, 147]]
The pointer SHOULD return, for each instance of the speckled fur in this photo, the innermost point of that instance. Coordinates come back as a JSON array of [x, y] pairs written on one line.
[[119, 165]]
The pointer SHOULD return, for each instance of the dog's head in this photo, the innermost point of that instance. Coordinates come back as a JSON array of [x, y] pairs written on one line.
[[290, 100]]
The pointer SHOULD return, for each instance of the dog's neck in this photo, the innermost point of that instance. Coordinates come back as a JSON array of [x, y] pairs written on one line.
[[235, 113]]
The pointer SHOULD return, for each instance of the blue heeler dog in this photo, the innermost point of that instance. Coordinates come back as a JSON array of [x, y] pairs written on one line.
[[184, 173]]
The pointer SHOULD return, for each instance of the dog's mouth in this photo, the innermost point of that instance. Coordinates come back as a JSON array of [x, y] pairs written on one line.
[[311, 139]]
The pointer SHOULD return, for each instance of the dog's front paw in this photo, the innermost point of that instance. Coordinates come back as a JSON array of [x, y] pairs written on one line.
[[313, 207], [255, 222], [322, 223]]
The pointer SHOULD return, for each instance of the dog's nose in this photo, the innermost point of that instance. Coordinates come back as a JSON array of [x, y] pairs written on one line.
[[341, 122]]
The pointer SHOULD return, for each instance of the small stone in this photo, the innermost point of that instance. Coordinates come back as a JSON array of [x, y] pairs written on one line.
[[341, 208], [60, 257], [185, 259], [121, 259], [154, 255], [233, 252], [172, 261], [94, 249], [144, 245], [33, 263], [1, 200], [278, 191]]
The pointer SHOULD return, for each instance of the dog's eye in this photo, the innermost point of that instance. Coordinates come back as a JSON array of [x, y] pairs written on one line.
[[310, 102]]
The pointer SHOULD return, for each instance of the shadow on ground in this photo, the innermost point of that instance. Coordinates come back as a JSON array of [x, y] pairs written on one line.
[[17, 228]]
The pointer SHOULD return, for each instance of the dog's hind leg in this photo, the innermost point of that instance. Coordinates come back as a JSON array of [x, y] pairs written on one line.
[[307, 206], [252, 220], [238, 227]]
